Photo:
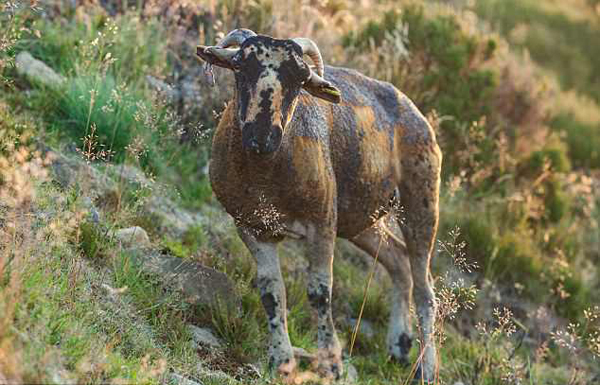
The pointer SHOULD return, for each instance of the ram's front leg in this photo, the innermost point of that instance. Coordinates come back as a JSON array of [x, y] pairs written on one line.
[[319, 251], [272, 294]]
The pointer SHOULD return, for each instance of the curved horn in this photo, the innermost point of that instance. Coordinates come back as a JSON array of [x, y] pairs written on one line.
[[220, 54], [236, 37], [310, 48]]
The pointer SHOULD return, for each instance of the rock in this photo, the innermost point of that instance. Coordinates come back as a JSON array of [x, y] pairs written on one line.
[[253, 368], [112, 291], [177, 379], [37, 70], [132, 237], [168, 217], [215, 376], [203, 337], [200, 285], [190, 90], [350, 374], [366, 327], [459, 383], [69, 171], [170, 93], [93, 214]]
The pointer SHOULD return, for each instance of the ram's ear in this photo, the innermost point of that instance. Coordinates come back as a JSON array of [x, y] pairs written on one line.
[[221, 57], [321, 88]]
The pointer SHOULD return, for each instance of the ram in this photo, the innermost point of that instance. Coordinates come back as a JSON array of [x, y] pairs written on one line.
[[319, 152]]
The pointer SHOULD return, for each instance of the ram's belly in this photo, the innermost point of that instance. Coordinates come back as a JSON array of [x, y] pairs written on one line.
[[361, 203], [367, 172]]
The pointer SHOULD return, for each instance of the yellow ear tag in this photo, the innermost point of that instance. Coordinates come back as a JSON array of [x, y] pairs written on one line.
[[332, 91]]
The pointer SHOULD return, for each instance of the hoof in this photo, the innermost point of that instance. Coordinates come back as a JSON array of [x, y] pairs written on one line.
[[285, 369], [329, 365], [330, 371]]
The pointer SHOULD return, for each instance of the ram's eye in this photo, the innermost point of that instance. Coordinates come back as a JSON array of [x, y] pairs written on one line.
[[236, 62]]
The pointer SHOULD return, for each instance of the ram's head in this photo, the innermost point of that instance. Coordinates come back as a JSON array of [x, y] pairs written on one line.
[[269, 75]]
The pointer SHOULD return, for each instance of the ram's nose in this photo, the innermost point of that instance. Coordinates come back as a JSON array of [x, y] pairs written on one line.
[[260, 139]]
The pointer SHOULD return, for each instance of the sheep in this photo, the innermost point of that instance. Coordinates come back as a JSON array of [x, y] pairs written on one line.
[[322, 150]]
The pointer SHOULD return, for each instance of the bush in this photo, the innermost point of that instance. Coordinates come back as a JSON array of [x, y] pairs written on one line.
[[583, 140], [556, 201], [557, 158], [555, 41]]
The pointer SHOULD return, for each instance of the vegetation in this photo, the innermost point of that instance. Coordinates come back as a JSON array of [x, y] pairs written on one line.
[[510, 87]]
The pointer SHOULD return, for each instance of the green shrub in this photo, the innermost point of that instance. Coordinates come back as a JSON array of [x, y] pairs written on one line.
[[562, 44], [517, 259], [557, 157], [580, 298], [556, 201], [478, 233], [582, 140], [373, 31]]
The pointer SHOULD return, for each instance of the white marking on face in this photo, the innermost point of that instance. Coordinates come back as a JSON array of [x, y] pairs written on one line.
[[268, 83]]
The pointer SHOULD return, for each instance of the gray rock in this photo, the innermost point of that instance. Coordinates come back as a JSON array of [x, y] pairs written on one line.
[[350, 374], [203, 337], [177, 379], [168, 217], [170, 93], [190, 90], [69, 171], [215, 376], [132, 237], [37, 70], [199, 284], [93, 214], [166, 214], [366, 327]]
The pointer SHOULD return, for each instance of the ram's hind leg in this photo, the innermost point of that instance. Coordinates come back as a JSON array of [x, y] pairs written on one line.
[[392, 255], [272, 294], [419, 194]]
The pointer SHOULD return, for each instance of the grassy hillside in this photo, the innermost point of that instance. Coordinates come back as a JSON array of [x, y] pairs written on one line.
[[121, 138]]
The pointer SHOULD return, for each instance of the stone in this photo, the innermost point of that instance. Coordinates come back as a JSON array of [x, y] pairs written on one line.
[[93, 214], [165, 214], [366, 327], [171, 94], [199, 285], [177, 379], [132, 237], [69, 171], [203, 337], [37, 71], [350, 374]]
